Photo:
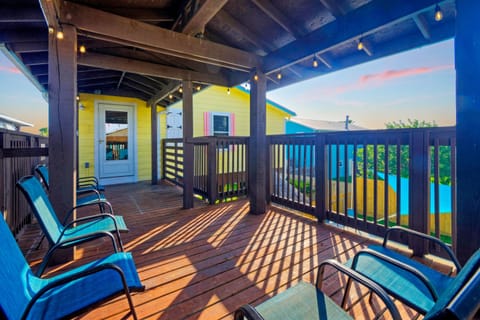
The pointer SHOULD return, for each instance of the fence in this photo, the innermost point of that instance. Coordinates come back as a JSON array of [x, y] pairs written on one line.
[[19, 153], [225, 156], [369, 180]]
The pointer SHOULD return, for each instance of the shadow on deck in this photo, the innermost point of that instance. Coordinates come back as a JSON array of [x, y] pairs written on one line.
[[205, 262]]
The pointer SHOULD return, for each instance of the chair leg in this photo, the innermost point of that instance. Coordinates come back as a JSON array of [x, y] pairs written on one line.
[[40, 243], [345, 295]]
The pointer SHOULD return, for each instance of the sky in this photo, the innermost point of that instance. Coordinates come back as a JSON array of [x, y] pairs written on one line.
[[418, 84]]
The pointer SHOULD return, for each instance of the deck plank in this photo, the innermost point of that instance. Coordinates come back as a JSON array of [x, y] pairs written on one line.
[[205, 262]]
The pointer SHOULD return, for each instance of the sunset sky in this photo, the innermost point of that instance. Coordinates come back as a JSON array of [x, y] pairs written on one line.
[[418, 84]]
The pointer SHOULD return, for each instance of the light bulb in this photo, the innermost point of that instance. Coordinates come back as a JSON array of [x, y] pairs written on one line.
[[60, 35], [82, 49], [180, 89], [315, 63], [360, 45], [279, 76], [438, 13]]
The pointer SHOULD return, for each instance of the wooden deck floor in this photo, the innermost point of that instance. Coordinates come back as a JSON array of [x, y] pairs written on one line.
[[205, 262]]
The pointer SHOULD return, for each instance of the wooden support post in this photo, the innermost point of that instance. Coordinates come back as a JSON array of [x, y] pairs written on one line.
[[212, 188], [467, 65], [257, 150], [62, 124], [320, 178], [188, 155], [154, 138], [419, 194]]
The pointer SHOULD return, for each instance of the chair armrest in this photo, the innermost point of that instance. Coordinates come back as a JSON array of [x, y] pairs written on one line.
[[73, 277], [427, 237], [96, 203], [71, 241], [88, 189], [354, 275], [420, 276], [88, 218], [247, 311]]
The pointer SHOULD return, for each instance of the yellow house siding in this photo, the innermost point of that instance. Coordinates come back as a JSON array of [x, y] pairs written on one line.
[[86, 131], [215, 99]]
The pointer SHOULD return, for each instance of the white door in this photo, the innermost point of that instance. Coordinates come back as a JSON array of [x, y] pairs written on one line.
[[116, 156]]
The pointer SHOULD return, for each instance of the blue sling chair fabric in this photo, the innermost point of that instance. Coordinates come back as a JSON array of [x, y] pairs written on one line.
[[26, 296], [306, 301], [70, 233], [89, 190], [410, 281]]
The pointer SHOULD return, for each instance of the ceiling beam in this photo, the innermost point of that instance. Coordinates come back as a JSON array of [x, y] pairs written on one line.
[[335, 9], [245, 32], [130, 32], [147, 68], [14, 15], [276, 15], [137, 87], [32, 46], [202, 16], [143, 81], [422, 25], [362, 21], [144, 15], [37, 58], [162, 94]]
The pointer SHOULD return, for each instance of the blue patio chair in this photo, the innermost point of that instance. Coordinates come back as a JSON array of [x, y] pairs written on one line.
[[87, 187], [305, 301], [69, 233], [408, 280], [26, 296]]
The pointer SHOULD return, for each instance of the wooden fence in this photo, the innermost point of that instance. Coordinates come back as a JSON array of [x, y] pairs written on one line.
[[19, 153], [224, 156]]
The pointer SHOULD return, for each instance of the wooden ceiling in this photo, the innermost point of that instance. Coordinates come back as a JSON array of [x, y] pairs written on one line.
[[144, 48]]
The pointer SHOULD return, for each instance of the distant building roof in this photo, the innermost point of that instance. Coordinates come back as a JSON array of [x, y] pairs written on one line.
[[10, 123], [324, 125]]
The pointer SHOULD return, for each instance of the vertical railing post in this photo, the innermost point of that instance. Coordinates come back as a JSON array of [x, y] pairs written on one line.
[[163, 152], [419, 194], [268, 185], [212, 189], [320, 177]]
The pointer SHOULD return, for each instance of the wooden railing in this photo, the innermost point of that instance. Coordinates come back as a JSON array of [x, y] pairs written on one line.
[[369, 180], [19, 153], [224, 156]]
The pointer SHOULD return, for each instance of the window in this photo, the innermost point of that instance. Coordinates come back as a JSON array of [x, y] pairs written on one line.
[[220, 124]]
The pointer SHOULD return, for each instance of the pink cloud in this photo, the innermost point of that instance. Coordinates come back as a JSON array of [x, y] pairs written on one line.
[[394, 74], [382, 77], [9, 69]]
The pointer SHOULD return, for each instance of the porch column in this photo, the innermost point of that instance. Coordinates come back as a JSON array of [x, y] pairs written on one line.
[[467, 65], [187, 147], [62, 124], [154, 138], [257, 148]]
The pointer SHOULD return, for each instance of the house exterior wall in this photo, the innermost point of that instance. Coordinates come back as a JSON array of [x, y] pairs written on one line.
[[216, 100], [86, 134]]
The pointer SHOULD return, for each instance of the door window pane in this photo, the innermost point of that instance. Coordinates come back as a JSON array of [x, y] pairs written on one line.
[[116, 132]]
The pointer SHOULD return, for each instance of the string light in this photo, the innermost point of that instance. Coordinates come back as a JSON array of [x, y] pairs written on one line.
[[170, 96], [438, 13], [279, 76], [180, 89], [315, 62], [228, 90], [360, 45], [51, 30], [199, 88], [255, 77], [78, 98], [60, 35], [82, 49]]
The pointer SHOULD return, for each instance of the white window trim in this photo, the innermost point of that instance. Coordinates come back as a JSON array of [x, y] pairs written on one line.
[[223, 114]]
